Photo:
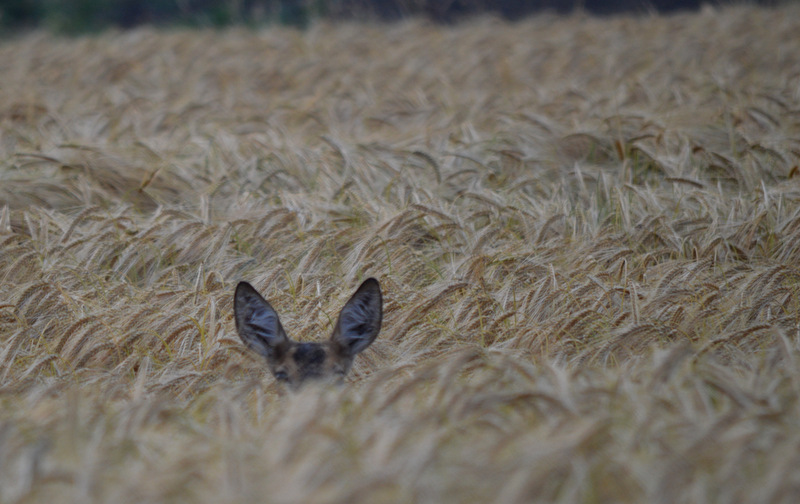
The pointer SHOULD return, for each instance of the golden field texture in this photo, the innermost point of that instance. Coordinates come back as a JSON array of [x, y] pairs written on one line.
[[587, 232]]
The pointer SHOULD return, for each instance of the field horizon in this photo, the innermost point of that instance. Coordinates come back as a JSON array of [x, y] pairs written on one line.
[[587, 233]]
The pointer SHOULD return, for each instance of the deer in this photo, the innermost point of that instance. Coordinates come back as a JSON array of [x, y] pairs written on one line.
[[294, 363]]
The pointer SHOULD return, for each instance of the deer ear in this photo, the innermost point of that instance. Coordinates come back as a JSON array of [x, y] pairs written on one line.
[[257, 323], [360, 320]]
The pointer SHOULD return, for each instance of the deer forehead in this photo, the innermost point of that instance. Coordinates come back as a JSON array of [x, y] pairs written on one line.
[[310, 354], [309, 361]]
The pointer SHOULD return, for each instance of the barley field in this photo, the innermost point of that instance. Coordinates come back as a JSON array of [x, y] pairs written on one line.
[[587, 232]]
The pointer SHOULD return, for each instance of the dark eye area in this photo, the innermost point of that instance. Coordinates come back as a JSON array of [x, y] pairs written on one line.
[[281, 376]]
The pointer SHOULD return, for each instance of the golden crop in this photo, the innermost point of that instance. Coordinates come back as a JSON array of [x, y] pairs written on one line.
[[587, 232]]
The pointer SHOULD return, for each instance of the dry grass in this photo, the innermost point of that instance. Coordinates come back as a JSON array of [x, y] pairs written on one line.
[[587, 232]]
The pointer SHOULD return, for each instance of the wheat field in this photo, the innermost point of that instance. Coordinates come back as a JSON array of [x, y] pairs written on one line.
[[587, 232]]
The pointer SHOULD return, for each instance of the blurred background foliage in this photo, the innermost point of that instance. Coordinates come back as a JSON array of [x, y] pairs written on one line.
[[82, 16]]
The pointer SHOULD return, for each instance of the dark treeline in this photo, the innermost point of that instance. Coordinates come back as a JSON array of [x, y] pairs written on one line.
[[90, 15], [451, 10]]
